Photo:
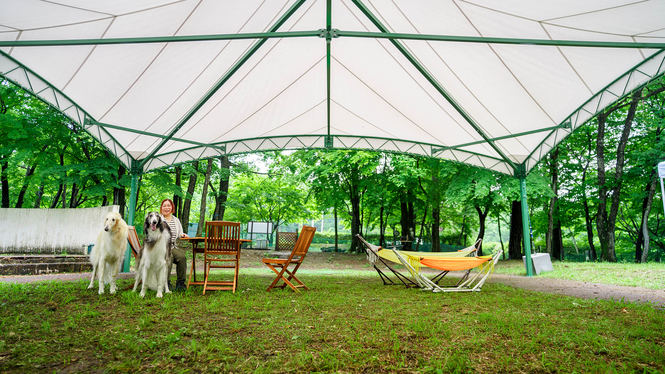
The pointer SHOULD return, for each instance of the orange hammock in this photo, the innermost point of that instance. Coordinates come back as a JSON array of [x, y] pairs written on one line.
[[454, 263]]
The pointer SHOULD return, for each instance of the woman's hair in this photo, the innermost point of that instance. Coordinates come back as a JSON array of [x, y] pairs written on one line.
[[170, 202]]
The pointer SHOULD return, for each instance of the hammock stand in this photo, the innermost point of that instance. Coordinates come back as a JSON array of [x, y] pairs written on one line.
[[373, 256], [472, 284], [376, 253]]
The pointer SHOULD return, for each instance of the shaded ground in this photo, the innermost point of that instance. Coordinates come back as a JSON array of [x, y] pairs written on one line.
[[358, 262]]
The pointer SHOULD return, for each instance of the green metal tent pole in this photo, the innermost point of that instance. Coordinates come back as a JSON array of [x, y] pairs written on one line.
[[134, 186], [525, 222]]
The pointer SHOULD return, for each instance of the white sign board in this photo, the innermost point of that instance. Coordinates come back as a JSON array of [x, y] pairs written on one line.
[[259, 227], [661, 170]]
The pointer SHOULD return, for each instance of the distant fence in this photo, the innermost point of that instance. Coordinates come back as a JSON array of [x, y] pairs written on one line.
[[54, 231]]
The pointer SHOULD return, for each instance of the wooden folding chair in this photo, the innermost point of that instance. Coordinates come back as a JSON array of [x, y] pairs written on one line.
[[222, 245], [135, 245], [281, 266]]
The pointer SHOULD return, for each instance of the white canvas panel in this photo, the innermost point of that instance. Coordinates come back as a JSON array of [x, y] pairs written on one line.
[[347, 16], [34, 14], [386, 92], [280, 93], [288, 82], [434, 17], [310, 16], [489, 91], [107, 74], [546, 10], [233, 17], [612, 20], [156, 103]]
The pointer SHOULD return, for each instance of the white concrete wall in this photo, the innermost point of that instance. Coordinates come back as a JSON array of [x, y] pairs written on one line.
[[51, 230]]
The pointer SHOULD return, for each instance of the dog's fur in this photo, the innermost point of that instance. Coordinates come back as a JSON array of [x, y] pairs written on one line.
[[108, 252], [154, 260]]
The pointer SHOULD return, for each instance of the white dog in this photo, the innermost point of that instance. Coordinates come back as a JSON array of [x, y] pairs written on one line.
[[154, 261], [108, 252]]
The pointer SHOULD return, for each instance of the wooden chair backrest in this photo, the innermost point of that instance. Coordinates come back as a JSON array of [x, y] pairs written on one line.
[[222, 236], [133, 240], [303, 243]]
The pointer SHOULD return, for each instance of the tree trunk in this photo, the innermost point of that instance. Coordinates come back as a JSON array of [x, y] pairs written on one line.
[[436, 238], [482, 216], [382, 228], [550, 212], [498, 226], [601, 216], [74, 195], [516, 231], [608, 221], [177, 199], [462, 235], [4, 183], [184, 220], [56, 198], [223, 193], [422, 227], [38, 197], [355, 217], [119, 196], [26, 182], [557, 242], [642, 245], [336, 233], [64, 196], [405, 221], [204, 193], [620, 160]]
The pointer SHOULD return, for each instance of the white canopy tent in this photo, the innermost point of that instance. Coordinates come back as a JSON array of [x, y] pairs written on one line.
[[487, 83]]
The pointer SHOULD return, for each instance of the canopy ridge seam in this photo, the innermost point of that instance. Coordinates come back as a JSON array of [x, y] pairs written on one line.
[[565, 57], [431, 79], [268, 102], [227, 76], [362, 119], [436, 52], [390, 104], [255, 65], [87, 56]]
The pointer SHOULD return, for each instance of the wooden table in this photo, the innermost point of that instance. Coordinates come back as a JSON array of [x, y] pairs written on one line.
[[196, 240]]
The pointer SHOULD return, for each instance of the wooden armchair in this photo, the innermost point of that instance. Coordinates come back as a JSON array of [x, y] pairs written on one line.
[[281, 265], [135, 245], [222, 250]]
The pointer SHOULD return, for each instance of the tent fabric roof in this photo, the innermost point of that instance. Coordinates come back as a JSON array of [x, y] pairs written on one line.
[[487, 83]]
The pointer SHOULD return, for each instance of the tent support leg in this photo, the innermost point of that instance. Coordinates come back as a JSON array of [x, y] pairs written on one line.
[[130, 213], [525, 226]]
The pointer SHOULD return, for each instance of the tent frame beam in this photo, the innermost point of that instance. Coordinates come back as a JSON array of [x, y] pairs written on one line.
[[434, 82], [334, 33], [223, 80]]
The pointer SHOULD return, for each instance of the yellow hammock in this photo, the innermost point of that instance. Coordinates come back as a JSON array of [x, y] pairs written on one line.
[[437, 260]]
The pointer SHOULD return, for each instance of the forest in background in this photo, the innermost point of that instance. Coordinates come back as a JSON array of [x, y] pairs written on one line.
[[595, 197]]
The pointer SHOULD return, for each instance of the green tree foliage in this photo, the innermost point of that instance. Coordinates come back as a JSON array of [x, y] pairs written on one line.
[[48, 162]]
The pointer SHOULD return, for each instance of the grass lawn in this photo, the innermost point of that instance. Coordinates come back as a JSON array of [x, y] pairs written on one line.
[[650, 275], [349, 322]]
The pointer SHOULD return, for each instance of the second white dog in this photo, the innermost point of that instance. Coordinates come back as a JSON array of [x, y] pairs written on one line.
[[155, 258]]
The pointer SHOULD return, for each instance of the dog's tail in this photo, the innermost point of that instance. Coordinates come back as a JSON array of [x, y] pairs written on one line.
[[152, 281]]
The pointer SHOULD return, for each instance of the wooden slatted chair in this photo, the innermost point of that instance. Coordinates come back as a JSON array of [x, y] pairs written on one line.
[[221, 251], [281, 265], [135, 245]]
